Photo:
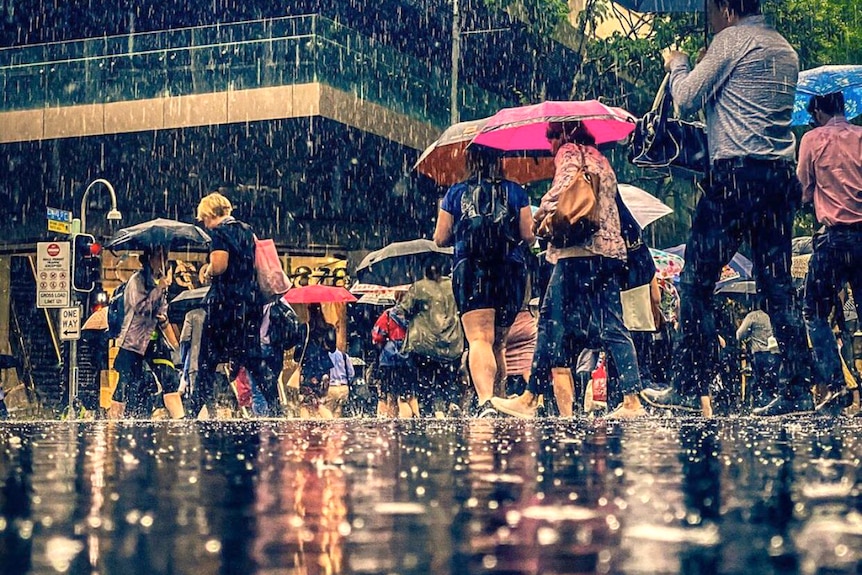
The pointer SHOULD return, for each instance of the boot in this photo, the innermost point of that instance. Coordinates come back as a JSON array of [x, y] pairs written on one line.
[[116, 410], [174, 405]]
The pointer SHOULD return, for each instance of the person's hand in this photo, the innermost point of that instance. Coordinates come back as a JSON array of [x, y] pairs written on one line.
[[204, 275], [671, 55], [700, 55]]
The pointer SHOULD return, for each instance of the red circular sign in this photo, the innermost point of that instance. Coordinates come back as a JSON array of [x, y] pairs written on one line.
[[53, 250]]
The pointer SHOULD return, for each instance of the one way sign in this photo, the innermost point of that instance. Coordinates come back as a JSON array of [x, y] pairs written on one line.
[[70, 323]]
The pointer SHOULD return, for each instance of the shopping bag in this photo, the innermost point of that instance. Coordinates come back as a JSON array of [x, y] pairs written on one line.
[[271, 279]]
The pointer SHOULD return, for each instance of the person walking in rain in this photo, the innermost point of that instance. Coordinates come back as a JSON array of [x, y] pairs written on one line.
[[489, 273], [233, 305], [145, 310], [830, 170], [745, 83], [582, 300], [434, 342]]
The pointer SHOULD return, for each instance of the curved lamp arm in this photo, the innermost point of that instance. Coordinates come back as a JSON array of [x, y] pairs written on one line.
[[113, 215]]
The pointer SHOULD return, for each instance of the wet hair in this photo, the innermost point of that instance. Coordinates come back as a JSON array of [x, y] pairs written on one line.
[[481, 160], [574, 132], [214, 205], [830, 104], [330, 339], [740, 7], [149, 251]]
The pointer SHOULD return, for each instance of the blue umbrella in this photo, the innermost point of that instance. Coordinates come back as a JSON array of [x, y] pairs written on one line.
[[825, 80]]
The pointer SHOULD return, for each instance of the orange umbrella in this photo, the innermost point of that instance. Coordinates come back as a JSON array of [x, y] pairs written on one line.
[[98, 320], [445, 160]]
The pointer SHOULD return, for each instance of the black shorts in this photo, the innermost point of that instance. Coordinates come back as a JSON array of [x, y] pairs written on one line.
[[500, 286]]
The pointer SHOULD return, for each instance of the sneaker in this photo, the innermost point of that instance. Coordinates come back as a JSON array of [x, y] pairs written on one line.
[[516, 407], [623, 412], [671, 399], [782, 405], [487, 411], [834, 403]]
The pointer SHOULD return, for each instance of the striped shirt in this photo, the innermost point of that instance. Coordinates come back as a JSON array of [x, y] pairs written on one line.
[[746, 84]]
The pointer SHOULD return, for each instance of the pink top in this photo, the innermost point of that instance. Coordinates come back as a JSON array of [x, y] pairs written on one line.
[[830, 169]]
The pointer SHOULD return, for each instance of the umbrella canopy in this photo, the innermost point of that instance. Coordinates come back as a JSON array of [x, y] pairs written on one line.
[[377, 299], [318, 294], [667, 265], [402, 263], [645, 207], [159, 232], [737, 287], [524, 127], [825, 80], [185, 302], [98, 320], [738, 268], [445, 160], [363, 288]]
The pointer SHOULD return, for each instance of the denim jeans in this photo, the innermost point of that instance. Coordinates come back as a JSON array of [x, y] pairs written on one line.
[[753, 204], [837, 259], [582, 309]]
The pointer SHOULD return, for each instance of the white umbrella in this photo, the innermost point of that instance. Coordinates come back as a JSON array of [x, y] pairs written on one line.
[[645, 207]]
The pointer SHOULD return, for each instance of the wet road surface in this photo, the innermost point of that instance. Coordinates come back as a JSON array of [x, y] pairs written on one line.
[[432, 497]]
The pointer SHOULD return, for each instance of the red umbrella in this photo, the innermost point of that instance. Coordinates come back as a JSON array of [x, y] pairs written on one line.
[[318, 294]]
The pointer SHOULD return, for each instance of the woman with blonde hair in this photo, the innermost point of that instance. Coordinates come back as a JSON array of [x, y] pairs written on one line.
[[234, 305]]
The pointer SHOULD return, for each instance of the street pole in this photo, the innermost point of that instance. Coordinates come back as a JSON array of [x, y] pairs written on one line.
[[113, 215], [456, 60]]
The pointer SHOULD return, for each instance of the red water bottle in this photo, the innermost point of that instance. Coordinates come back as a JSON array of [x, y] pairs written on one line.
[[600, 383]]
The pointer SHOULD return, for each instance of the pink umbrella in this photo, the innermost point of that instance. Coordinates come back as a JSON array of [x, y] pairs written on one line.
[[524, 127], [318, 294]]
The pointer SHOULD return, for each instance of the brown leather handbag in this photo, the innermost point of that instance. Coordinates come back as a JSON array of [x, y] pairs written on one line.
[[576, 216]]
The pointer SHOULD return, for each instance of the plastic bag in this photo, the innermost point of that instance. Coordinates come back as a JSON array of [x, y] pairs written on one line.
[[271, 278]]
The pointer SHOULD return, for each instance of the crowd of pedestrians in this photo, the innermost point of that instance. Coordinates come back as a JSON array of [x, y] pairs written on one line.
[[513, 333]]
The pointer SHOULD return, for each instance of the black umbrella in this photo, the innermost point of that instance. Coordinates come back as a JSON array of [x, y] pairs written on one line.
[[402, 263], [159, 232]]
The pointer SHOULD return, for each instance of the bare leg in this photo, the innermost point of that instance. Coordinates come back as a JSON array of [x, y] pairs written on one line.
[[564, 389], [479, 331]]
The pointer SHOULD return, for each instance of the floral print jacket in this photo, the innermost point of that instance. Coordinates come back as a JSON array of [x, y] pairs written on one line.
[[607, 240]]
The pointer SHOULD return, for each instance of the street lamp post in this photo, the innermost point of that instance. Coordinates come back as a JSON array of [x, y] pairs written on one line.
[[454, 113], [113, 215]]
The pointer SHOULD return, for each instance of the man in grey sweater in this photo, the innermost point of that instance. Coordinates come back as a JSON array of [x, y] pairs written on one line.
[[745, 83]]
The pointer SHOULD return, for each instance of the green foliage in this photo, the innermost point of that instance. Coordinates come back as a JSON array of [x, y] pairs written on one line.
[[542, 16], [822, 31]]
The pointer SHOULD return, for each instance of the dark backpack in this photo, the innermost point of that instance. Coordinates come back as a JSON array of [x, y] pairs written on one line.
[[488, 229], [285, 329], [117, 311]]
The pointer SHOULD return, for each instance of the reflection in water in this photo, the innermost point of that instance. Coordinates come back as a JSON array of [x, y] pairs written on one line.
[[419, 497]]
